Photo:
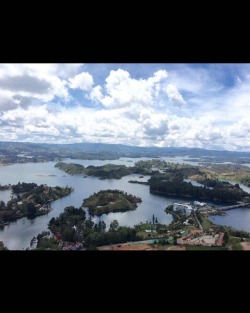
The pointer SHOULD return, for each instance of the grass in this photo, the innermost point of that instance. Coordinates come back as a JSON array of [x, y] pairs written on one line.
[[206, 223], [142, 234], [201, 248], [235, 243], [237, 246], [233, 240]]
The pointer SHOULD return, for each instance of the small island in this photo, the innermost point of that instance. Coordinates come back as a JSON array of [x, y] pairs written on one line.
[[106, 201]]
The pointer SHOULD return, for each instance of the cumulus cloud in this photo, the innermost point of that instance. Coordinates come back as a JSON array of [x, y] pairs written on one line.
[[83, 81], [174, 96], [121, 90], [22, 84], [129, 105]]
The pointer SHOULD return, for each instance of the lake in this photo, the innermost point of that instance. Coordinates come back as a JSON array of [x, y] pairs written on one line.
[[17, 235]]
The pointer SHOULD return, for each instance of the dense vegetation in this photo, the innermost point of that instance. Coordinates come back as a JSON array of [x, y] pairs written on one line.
[[106, 201], [173, 185], [231, 172], [72, 226], [107, 171], [5, 187], [23, 187], [33, 202], [246, 180]]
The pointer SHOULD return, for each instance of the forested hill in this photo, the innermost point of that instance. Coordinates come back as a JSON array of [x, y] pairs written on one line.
[[109, 151]]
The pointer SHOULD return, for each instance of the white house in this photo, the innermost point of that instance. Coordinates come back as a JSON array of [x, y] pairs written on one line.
[[182, 208]]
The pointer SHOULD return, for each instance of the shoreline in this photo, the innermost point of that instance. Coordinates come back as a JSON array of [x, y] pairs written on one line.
[[5, 164], [7, 222]]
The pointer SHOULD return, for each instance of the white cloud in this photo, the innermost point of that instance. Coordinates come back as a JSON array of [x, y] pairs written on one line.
[[122, 90], [83, 81], [174, 96], [36, 82], [37, 103]]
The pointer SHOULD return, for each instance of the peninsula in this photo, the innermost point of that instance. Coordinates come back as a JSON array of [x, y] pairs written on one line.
[[30, 200]]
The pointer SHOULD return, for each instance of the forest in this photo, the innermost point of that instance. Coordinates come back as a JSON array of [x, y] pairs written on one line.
[[173, 185], [73, 226], [106, 201]]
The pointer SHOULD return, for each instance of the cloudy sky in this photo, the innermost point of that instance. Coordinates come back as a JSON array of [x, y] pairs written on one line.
[[180, 105]]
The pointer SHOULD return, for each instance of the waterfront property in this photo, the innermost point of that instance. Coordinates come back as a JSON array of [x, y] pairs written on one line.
[[184, 208]]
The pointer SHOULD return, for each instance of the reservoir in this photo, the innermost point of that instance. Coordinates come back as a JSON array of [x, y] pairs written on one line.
[[17, 235]]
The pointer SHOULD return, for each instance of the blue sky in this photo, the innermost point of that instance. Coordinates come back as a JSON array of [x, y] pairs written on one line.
[[172, 105]]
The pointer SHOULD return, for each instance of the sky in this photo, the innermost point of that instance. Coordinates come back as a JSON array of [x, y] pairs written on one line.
[[164, 105]]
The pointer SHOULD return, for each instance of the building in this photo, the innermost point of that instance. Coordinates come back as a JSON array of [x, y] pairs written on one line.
[[182, 208], [201, 204]]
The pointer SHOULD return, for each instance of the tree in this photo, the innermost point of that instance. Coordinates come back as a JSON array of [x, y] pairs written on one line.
[[52, 221], [96, 228], [89, 223], [226, 238], [156, 221], [153, 219], [114, 225], [68, 234], [101, 227], [31, 209], [175, 240]]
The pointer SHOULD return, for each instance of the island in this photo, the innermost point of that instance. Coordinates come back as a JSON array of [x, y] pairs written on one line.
[[30, 200], [106, 201], [107, 171]]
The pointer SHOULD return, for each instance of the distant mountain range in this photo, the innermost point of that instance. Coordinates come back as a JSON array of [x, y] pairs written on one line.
[[113, 150]]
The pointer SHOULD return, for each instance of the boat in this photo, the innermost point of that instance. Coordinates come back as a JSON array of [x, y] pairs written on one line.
[[141, 176], [85, 176]]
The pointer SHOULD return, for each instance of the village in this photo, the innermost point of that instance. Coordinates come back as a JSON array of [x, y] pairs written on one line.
[[190, 229]]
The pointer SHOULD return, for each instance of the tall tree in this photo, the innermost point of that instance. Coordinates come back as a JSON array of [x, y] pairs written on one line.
[[153, 219], [101, 226], [114, 225], [156, 221]]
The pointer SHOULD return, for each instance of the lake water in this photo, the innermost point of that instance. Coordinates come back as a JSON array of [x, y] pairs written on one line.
[[237, 218], [17, 235]]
